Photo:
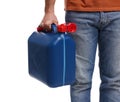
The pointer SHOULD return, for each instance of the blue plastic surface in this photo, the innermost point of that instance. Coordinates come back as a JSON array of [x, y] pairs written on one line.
[[52, 58]]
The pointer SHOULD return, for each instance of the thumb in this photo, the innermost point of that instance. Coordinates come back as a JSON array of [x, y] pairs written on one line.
[[55, 22]]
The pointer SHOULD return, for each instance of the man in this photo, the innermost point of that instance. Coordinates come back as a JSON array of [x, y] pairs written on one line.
[[98, 22]]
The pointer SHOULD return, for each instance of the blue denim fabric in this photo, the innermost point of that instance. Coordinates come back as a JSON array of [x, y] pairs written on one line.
[[102, 29]]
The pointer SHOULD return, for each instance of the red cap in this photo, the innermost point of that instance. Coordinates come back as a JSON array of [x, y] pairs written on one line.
[[62, 28], [71, 27]]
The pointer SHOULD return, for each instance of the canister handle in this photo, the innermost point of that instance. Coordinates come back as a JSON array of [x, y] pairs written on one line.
[[53, 28]]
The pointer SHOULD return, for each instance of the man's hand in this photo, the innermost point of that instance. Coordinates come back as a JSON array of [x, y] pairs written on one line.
[[48, 19]]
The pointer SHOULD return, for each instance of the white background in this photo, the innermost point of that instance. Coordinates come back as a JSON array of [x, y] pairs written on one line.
[[18, 19]]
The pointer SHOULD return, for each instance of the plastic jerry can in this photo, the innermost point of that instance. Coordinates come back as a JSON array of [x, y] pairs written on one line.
[[51, 57]]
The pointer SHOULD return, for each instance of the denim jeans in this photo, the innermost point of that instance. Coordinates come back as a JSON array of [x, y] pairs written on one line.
[[94, 29]]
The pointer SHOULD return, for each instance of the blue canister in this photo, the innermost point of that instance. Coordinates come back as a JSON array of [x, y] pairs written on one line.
[[51, 57]]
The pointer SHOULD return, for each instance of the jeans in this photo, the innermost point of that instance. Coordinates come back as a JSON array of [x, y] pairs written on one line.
[[94, 29]]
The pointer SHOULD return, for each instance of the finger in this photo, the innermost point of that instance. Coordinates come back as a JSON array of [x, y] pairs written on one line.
[[47, 26], [56, 23], [47, 29]]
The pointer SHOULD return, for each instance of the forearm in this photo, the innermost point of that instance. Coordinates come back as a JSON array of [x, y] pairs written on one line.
[[49, 6]]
